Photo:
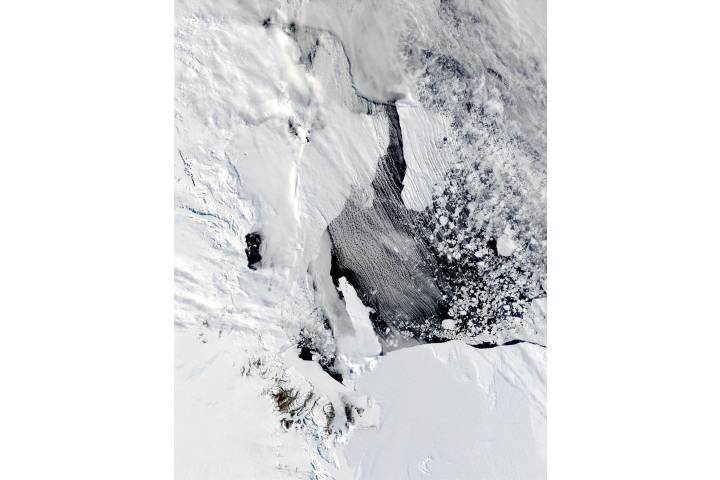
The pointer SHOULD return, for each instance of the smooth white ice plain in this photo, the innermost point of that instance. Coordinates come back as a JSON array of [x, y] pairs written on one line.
[[450, 411]]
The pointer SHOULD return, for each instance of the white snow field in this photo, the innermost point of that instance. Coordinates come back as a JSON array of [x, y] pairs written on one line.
[[282, 114]]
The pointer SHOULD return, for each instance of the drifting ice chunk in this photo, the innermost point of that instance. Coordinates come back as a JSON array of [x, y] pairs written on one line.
[[506, 245], [358, 349], [448, 324]]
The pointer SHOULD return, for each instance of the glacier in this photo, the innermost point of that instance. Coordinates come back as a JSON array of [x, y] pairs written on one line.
[[360, 239]]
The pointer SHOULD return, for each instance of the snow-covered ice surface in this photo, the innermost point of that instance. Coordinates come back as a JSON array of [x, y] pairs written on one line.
[[450, 411], [357, 181]]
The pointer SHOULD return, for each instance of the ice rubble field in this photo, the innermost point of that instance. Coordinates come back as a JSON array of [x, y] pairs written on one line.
[[262, 142]]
